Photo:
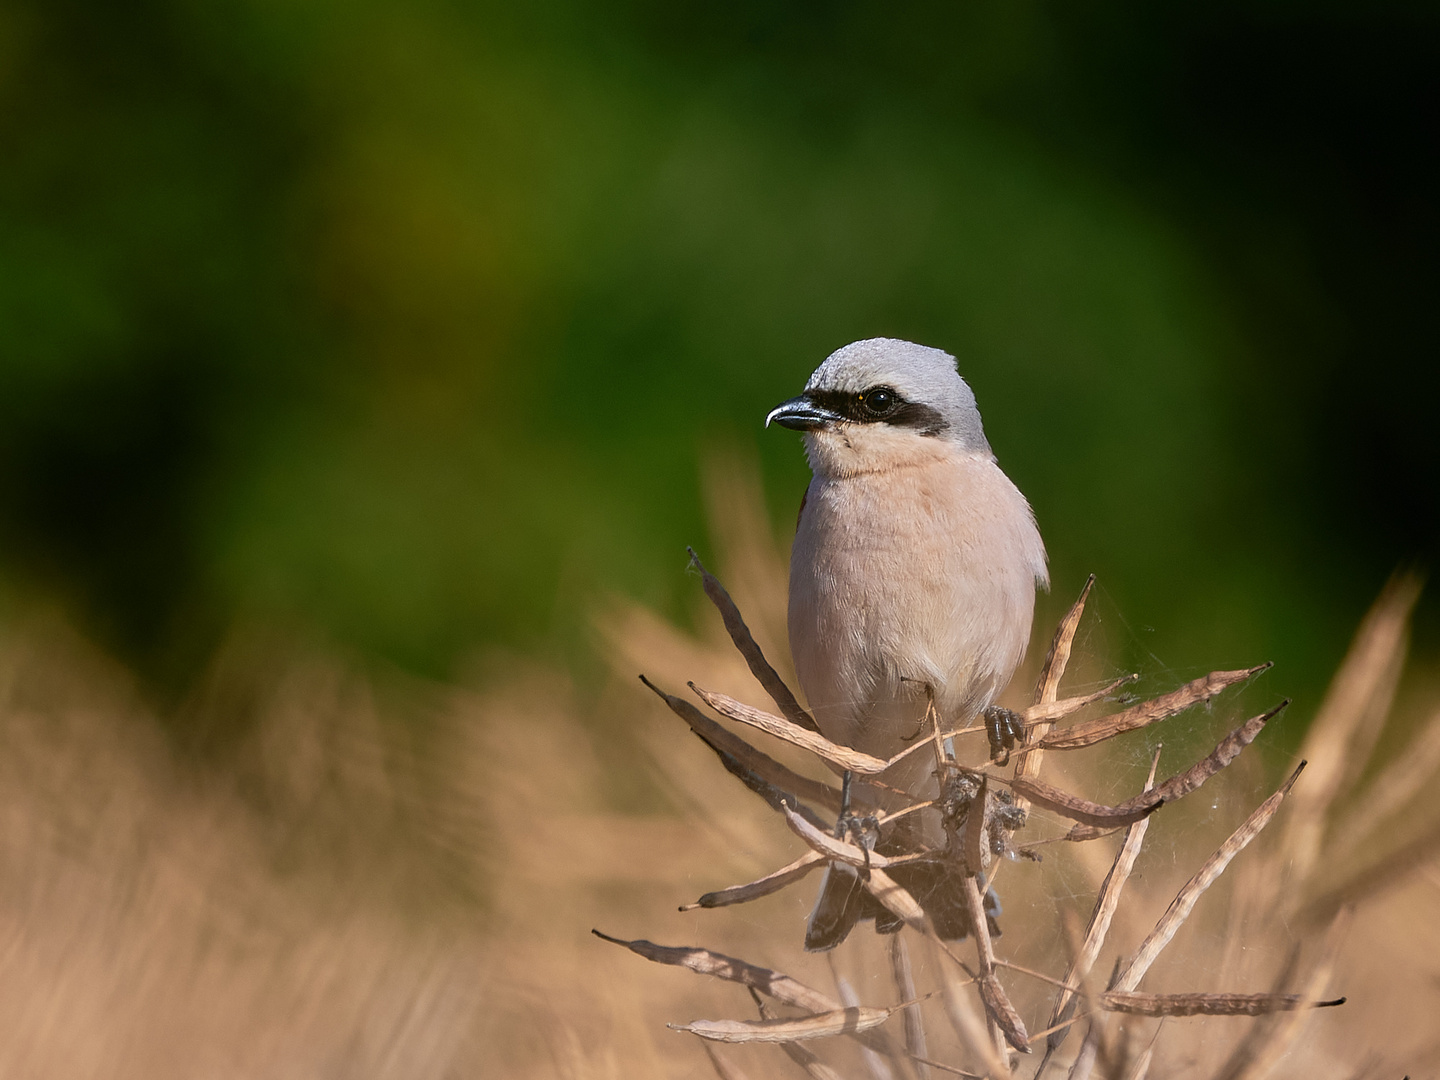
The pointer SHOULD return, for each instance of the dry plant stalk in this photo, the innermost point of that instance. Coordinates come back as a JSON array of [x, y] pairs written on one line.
[[1208, 1004], [1147, 712], [754, 890], [797, 1051], [915, 1043], [1099, 926], [824, 1025], [979, 831], [724, 1068], [383, 907]]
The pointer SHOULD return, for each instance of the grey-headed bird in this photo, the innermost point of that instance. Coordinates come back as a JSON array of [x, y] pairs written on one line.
[[913, 571]]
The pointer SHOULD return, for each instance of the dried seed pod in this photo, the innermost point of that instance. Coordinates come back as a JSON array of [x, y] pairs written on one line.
[[765, 886], [1208, 1004], [781, 728], [744, 641], [1148, 712], [820, 1026]]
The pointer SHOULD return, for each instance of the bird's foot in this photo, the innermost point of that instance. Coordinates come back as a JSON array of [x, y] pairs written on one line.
[[1005, 729]]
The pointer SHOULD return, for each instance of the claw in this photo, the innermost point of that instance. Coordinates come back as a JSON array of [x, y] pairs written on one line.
[[842, 900], [1005, 729]]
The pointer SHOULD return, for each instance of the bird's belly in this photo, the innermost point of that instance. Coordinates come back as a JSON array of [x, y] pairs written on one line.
[[883, 606], [870, 658]]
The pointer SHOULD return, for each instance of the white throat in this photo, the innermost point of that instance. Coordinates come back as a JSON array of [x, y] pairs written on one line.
[[856, 449]]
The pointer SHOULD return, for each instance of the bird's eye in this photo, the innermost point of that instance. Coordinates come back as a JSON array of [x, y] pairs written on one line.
[[879, 401]]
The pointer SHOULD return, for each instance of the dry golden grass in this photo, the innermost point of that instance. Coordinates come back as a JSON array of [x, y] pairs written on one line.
[[332, 896]]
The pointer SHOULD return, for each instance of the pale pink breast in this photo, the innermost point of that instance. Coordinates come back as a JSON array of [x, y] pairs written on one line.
[[919, 575]]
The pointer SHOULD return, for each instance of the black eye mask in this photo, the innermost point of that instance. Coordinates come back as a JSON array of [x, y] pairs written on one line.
[[881, 405]]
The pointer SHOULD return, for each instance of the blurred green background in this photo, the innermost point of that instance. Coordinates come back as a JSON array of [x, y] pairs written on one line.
[[410, 323]]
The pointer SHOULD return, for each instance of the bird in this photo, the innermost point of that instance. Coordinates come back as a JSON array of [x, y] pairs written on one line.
[[913, 571]]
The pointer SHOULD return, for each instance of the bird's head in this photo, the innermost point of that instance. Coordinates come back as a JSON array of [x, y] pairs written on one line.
[[883, 403]]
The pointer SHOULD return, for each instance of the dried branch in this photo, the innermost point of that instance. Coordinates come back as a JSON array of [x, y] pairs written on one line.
[[775, 797], [973, 849], [833, 848], [1096, 815], [875, 1065], [1268, 1041], [999, 1009], [820, 1026], [1047, 687], [1077, 834], [1208, 1004], [969, 1027], [845, 757], [992, 994], [796, 1051], [1102, 914], [914, 1020], [1010, 965], [951, 1069], [938, 875], [761, 765], [779, 986], [1058, 710], [1179, 910], [1148, 712], [781, 728], [724, 1069], [744, 641], [1177, 787], [879, 884], [754, 890], [1053, 669], [1095, 1034]]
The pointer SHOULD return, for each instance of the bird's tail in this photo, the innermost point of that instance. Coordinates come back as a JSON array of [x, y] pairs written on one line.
[[837, 908], [844, 901]]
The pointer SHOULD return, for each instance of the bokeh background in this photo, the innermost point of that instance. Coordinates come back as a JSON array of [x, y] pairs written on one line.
[[365, 369], [411, 323]]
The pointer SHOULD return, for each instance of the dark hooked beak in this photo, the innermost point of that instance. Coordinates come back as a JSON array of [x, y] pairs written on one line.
[[802, 414]]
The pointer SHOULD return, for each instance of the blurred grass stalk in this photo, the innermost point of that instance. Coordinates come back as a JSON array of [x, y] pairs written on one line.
[[333, 897]]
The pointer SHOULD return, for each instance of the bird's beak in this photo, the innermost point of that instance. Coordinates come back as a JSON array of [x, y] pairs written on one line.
[[802, 414]]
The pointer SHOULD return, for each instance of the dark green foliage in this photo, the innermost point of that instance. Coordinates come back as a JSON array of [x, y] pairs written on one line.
[[412, 321]]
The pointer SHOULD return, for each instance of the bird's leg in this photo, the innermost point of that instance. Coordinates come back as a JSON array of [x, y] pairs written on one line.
[[933, 715], [847, 825], [1004, 729], [862, 830], [840, 821], [842, 896], [920, 726]]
